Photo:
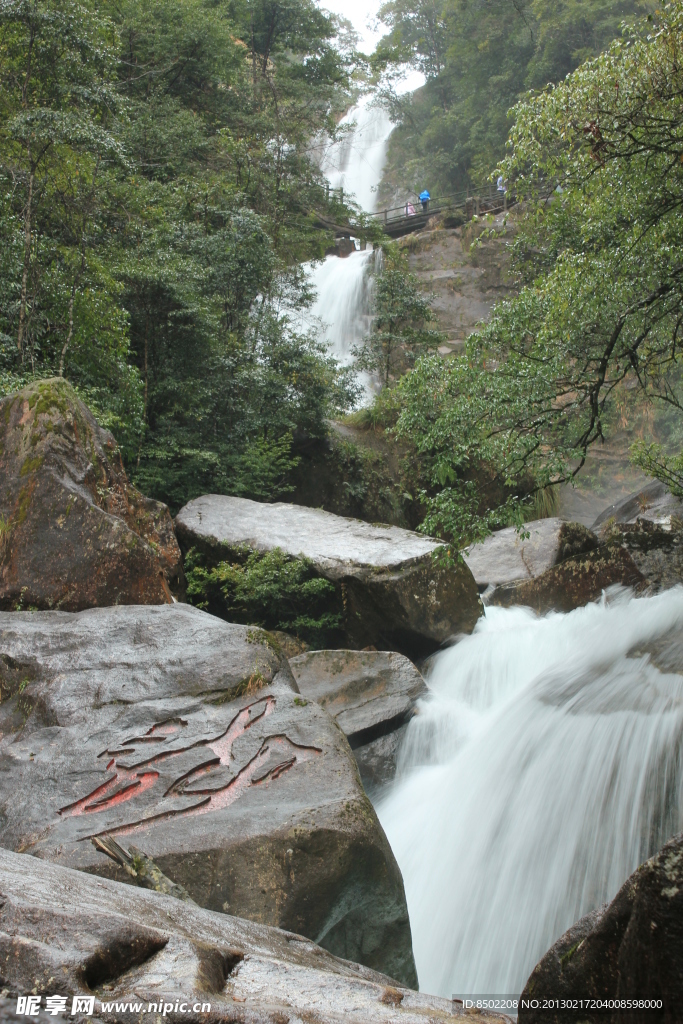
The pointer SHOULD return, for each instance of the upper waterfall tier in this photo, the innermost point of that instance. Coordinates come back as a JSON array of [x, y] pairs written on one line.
[[356, 162]]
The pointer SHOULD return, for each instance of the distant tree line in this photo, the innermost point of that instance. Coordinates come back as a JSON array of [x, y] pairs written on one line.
[[479, 57]]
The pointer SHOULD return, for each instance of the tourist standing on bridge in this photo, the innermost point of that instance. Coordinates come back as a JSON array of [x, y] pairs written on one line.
[[424, 199], [410, 210]]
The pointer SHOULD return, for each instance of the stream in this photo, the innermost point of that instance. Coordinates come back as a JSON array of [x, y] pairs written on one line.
[[543, 767]]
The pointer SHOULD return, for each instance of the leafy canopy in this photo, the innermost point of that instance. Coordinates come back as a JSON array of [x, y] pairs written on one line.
[[156, 197], [598, 161], [479, 58]]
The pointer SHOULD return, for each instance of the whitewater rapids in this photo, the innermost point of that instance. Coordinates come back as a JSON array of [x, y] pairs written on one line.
[[543, 767]]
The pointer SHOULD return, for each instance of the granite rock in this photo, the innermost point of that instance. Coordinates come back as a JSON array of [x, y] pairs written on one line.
[[508, 556], [372, 696], [169, 729], [75, 533], [394, 594], [65, 933], [629, 949], [369, 693], [653, 504]]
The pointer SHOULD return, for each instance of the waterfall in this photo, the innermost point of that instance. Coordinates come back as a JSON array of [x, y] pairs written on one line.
[[356, 162], [341, 310], [543, 767], [343, 288]]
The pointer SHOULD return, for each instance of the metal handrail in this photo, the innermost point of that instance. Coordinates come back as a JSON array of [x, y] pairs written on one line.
[[486, 191]]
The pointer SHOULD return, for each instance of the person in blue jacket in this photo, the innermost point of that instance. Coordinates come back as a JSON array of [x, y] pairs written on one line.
[[424, 199]]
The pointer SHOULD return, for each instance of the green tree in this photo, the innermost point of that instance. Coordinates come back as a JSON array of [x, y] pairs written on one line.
[[598, 160], [401, 315], [59, 147], [157, 198], [479, 58]]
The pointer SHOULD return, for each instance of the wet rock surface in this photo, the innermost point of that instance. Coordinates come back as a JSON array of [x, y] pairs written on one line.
[[509, 556], [654, 504], [465, 281], [66, 933], [632, 948], [377, 760], [636, 543], [185, 736], [394, 595], [75, 533], [371, 694], [575, 582]]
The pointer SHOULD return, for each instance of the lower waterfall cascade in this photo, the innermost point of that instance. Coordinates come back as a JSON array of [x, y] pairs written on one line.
[[542, 768], [343, 288]]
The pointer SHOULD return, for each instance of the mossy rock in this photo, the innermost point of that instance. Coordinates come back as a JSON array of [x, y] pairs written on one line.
[[81, 534]]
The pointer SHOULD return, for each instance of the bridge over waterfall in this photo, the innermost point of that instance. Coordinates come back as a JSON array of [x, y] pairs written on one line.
[[414, 216]]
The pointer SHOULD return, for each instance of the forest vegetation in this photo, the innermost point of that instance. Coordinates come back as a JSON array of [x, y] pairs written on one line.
[[159, 198], [597, 164], [156, 201], [479, 58]]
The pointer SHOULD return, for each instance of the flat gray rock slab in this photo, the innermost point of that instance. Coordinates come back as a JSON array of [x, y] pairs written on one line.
[[78, 935], [185, 736], [394, 594], [368, 692], [506, 556], [335, 544]]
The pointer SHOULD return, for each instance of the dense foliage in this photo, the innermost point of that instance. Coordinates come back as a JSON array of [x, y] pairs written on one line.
[[402, 316], [268, 590], [479, 57], [156, 198], [598, 160]]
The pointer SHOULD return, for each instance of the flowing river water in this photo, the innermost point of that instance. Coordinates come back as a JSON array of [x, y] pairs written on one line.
[[543, 767]]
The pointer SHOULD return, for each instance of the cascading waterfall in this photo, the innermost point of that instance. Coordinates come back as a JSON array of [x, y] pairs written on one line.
[[542, 769], [356, 162], [343, 286]]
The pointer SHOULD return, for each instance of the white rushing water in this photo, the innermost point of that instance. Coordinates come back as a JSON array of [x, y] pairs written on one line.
[[343, 288], [355, 163], [542, 769]]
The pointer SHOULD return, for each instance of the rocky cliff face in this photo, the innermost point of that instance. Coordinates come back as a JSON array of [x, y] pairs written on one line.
[[74, 533], [465, 280]]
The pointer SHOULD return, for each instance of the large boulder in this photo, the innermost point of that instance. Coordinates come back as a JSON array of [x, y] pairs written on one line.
[[139, 955], [186, 736], [649, 526], [393, 592], [637, 543], [574, 582], [510, 556], [629, 949], [74, 533], [372, 696], [653, 504]]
